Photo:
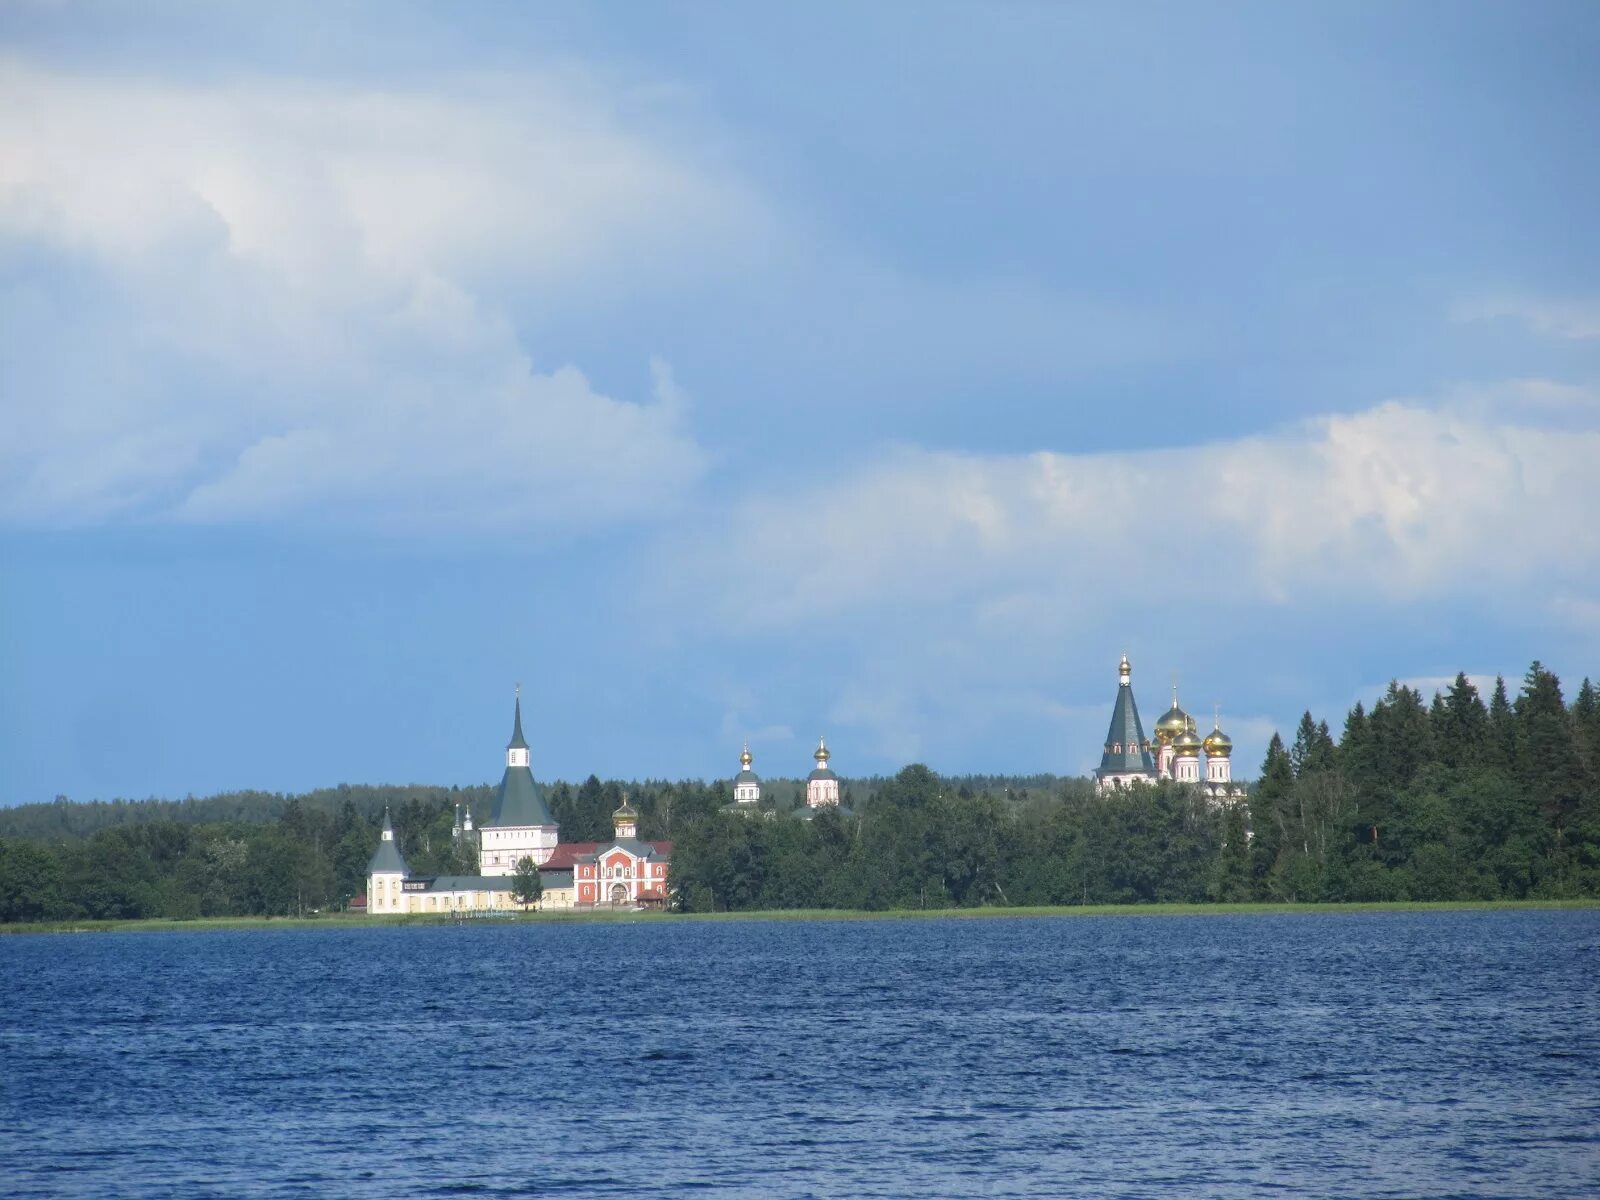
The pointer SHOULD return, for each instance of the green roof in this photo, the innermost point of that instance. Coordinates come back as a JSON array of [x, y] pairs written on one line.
[[387, 857], [1124, 751], [471, 883], [519, 802], [517, 742]]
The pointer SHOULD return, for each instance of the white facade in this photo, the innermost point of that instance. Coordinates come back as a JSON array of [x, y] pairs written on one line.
[[384, 894], [500, 850]]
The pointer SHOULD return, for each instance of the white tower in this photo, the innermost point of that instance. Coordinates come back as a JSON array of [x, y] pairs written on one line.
[[746, 784], [1170, 726], [1219, 761], [1186, 757], [822, 785], [521, 825], [386, 873]]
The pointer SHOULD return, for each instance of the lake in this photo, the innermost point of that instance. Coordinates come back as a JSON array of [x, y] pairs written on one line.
[[1359, 1055]]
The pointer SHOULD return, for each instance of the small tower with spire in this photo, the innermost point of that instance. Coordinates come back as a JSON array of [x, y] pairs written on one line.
[[625, 820], [1186, 757], [746, 784], [1126, 759], [822, 785], [1219, 756], [520, 825], [1170, 726], [386, 872]]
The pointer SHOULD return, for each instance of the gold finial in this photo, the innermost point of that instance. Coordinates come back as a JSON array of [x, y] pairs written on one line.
[[1124, 669]]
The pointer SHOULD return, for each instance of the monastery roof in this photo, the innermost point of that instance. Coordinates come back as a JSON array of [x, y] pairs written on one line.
[[387, 857], [646, 850], [822, 773], [517, 742], [1124, 750], [519, 803], [566, 854], [470, 883]]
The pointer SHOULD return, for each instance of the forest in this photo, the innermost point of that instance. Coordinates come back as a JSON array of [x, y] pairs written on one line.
[[1448, 798]]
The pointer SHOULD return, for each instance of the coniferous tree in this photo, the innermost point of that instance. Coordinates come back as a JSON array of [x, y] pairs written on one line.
[[1501, 751], [1267, 815]]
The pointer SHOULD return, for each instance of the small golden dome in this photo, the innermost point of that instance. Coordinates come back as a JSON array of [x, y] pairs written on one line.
[[822, 754], [745, 758], [627, 812], [1218, 744], [1187, 744]]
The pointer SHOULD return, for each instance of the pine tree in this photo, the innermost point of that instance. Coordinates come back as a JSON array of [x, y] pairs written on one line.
[[1267, 815], [1461, 726], [1548, 766], [1502, 749]]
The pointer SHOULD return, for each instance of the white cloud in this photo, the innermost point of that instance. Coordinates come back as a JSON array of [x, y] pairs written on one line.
[[1401, 500], [1567, 318], [272, 298]]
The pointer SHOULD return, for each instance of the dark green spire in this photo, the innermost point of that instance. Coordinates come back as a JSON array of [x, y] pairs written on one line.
[[1125, 752], [387, 856], [517, 742], [520, 801]]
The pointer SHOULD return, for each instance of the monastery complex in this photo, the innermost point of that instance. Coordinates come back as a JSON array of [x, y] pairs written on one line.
[[627, 872]]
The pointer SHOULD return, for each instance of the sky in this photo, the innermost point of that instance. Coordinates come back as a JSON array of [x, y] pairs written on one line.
[[728, 371]]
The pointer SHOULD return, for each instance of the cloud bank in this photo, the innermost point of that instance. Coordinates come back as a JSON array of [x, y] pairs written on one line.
[[272, 299], [1401, 501]]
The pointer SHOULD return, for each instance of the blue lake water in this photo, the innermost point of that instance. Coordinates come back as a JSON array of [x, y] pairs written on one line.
[[1440, 1054]]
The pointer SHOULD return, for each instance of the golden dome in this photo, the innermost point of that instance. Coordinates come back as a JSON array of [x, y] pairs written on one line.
[[625, 813], [1187, 744], [1173, 722], [822, 755], [1218, 744], [745, 758]]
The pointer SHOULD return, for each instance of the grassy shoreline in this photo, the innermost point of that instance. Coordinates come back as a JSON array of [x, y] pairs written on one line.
[[363, 921]]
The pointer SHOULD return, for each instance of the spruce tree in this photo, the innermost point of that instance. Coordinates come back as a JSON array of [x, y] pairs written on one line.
[[1548, 766], [1267, 815], [1501, 752]]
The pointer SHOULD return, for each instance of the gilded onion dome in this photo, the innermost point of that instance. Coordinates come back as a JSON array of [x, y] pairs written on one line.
[[822, 756], [745, 758], [1187, 744], [1173, 722], [627, 812], [1218, 744]]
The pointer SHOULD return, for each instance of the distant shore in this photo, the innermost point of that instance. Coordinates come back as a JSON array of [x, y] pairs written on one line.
[[364, 921]]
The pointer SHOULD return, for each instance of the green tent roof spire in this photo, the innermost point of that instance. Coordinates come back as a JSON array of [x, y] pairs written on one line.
[[1125, 752], [387, 857], [517, 742]]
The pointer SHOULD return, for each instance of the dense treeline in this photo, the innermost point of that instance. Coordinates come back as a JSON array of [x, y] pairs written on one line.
[[1454, 800], [1457, 799], [262, 854]]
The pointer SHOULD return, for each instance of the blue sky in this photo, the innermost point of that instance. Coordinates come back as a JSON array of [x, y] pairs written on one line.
[[722, 372]]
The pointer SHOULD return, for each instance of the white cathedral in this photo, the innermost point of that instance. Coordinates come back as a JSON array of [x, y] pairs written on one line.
[[1131, 759]]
